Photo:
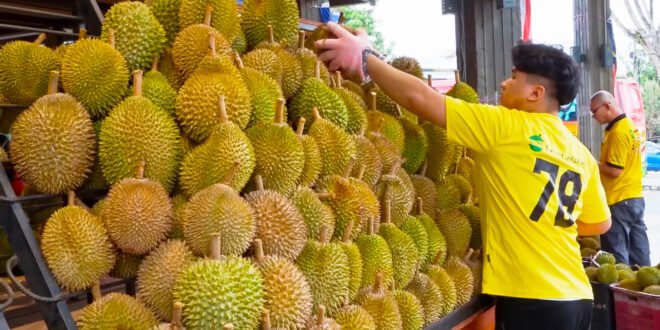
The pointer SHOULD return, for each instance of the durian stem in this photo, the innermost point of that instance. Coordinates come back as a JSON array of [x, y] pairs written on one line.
[[325, 195], [338, 78], [212, 44], [301, 39], [82, 34], [396, 166], [457, 76], [96, 291], [372, 101], [228, 326], [207, 15], [316, 114], [333, 83], [265, 319], [420, 206], [387, 211], [370, 226], [177, 312], [137, 83], [468, 255], [154, 64], [80, 203], [349, 168], [223, 110], [111, 37], [301, 126], [317, 70], [238, 60], [231, 174], [378, 283], [40, 39], [271, 35], [363, 129], [70, 198], [139, 173], [258, 251], [429, 80], [53, 78], [320, 316], [425, 165], [361, 170], [398, 113], [323, 237], [216, 247], [279, 111], [259, 182], [348, 232]]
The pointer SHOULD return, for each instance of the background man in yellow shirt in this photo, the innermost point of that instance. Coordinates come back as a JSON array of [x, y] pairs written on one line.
[[538, 185], [621, 172]]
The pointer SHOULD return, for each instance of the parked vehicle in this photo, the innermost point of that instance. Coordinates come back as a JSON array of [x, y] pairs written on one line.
[[652, 156]]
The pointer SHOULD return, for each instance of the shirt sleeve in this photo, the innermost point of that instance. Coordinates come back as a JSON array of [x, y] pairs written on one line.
[[476, 126], [594, 207], [618, 146]]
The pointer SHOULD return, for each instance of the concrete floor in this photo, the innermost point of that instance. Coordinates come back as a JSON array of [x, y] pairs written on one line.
[[652, 214]]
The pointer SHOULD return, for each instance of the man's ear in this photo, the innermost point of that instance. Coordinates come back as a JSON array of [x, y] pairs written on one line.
[[538, 93]]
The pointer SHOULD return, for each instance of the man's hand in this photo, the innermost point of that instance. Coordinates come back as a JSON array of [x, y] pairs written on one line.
[[345, 52]]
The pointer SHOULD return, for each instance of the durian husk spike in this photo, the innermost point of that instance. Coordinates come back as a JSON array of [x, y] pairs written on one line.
[[320, 316], [265, 319], [177, 312], [420, 206], [82, 33], [139, 172], [154, 64], [216, 247], [457, 76], [70, 198], [258, 251], [226, 180], [325, 195], [316, 114], [317, 70], [301, 126], [223, 110], [338, 78], [207, 15], [372, 101], [271, 35], [40, 39], [323, 236], [361, 170], [96, 291], [259, 182], [347, 233], [349, 168], [429, 80], [111, 37], [137, 82], [53, 79], [228, 326], [387, 211], [378, 283], [425, 166], [279, 111], [301, 39], [212, 49]]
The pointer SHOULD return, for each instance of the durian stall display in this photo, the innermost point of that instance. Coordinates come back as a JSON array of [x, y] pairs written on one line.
[[247, 187]]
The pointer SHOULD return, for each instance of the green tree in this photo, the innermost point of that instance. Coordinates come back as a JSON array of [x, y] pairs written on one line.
[[651, 96], [363, 19]]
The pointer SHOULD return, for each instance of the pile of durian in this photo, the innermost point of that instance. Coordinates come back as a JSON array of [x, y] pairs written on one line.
[[247, 186]]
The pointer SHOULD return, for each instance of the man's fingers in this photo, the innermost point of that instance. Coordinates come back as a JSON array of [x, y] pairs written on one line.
[[361, 32], [334, 65], [338, 30], [327, 43], [328, 56]]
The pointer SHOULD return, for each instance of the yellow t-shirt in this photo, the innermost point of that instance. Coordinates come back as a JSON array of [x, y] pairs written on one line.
[[534, 180], [621, 149]]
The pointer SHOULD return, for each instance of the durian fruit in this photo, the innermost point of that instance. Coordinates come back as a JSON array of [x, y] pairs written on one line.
[[381, 304], [226, 18], [315, 94], [410, 309], [437, 244], [647, 276], [354, 317], [345, 202], [92, 62], [355, 106], [167, 14], [137, 213], [337, 148], [139, 35], [24, 70], [429, 296], [415, 145], [629, 284], [463, 91], [404, 251], [314, 212], [624, 274], [443, 281], [383, 102], [605, 258], [438, 155], [76, 247], [426, 190], [472, 213], [321, 322], [197, 102], [203, 167], [158, 273], [167, 68], [466, 168], [178, 204], [448, 195], [369, 158], [322, 32], [266, 61], [387, 125], [280, 157], [219, 209], [308, 60], [240, 43], [126, 267], [414, 228], [371, 206], [282, 15], [3, 155], [389, 154], [53, 142], [376, 257], [463, 278], [192, 44], [408, 65], [607, 274], [136, 130], [96, 180], [280, 226], [115, 311], [590, 242], [326, 268], [592, 272], [652, 289], [158, 90], [220, 290], [313, 161], [176, 322], [463, 185], [397, 187], [587, 252], [287, 294], [456, 229], [292, 74], [622, 266], [264, 92], [355, 262]]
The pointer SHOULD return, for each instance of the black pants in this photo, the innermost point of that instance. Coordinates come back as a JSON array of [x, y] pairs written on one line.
[[533, 314], [627, 239]]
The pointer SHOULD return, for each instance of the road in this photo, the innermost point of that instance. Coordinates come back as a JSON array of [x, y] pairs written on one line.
[[652, 214]]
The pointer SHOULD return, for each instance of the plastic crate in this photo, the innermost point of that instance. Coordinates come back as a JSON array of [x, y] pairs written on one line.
[[635, 310], [602, 317]]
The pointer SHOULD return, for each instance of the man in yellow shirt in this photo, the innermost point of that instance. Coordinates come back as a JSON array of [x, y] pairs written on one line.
[[538, 185], [621, 173]]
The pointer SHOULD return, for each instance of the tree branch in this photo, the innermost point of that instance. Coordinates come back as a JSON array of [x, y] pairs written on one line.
[[645, 15], [636, 19], [626, 30]]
